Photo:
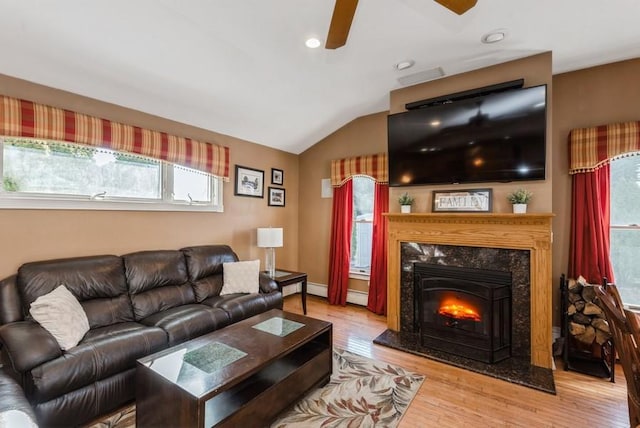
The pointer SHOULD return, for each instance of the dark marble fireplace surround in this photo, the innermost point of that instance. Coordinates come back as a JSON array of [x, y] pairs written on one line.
[[517, 368]]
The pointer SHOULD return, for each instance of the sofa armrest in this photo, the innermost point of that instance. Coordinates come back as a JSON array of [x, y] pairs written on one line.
[[10, 306], [267, 284], [27, 345], [15, 410]]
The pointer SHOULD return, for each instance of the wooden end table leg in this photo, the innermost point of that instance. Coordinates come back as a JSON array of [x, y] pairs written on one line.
[[304, 295]]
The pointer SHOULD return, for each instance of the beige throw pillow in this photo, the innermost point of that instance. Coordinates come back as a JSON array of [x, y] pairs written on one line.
[[241, 277], [60, 313]]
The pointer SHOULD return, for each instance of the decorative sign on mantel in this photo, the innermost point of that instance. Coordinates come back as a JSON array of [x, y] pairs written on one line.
[[471, 200]]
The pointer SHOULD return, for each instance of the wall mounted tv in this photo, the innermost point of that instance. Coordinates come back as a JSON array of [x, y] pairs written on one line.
[[495, 137]]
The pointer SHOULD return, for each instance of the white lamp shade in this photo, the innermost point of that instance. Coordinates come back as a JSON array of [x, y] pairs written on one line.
[[269, 237]]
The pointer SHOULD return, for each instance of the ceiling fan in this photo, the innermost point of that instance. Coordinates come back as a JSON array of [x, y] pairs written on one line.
[[344, 11]]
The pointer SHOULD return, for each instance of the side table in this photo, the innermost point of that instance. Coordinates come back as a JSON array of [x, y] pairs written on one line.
[[285, 277]]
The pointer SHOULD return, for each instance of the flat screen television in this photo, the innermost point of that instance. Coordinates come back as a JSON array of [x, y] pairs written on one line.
[[499, 137]]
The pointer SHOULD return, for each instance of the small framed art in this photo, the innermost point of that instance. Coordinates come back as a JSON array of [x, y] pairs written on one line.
[[249, 182], [277, 176], [276, 197]]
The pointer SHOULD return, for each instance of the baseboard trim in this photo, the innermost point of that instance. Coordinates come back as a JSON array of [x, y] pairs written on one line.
[[353, 296]]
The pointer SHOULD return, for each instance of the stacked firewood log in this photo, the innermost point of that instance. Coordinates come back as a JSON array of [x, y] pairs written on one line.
[[587, 321]]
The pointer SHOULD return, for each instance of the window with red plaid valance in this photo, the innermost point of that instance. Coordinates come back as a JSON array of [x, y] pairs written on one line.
[[590, 148], [375, 166], [590, 152], [20, 118]]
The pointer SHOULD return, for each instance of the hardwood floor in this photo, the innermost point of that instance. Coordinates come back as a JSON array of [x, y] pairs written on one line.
[[454, 397]]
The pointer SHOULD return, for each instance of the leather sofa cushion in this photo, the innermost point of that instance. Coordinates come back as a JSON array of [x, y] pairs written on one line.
[[83, 405], [188, 321], [157, 281], [204, 264], [239, 306], [102, 353], [98, 282]]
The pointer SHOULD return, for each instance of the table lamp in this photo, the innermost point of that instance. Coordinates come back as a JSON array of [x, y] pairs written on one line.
[[270, 238]]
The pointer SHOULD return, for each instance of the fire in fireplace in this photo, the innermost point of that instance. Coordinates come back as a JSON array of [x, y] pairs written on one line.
[[463, 311], [455, 312]]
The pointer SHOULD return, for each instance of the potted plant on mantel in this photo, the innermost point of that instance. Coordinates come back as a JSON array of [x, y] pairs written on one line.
[[520, 198], [405, 202]]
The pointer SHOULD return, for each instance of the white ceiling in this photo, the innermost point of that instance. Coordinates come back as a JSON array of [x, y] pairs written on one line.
[[240, 67]]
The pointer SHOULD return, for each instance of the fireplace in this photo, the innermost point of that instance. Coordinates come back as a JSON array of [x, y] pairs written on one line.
[[463, 311], [515, 243]]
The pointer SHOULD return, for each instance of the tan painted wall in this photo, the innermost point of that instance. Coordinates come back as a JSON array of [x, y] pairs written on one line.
[[369, 135], [590, 97], [535, 70], [365, 135], [30, 235]]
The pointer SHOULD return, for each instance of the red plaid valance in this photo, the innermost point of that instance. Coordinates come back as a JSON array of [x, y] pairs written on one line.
[[590, 148], [375, 166], [19, 118]]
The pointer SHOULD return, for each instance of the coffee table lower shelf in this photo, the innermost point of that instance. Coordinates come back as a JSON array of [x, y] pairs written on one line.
[[267, 393]]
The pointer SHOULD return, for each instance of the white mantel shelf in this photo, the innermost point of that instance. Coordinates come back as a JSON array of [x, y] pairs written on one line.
[[530, 232]]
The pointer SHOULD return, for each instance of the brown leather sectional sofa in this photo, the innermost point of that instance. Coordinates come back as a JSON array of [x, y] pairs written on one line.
[[136, 304]]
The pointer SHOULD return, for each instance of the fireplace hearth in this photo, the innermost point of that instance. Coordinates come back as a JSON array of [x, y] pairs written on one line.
[[463, 311]]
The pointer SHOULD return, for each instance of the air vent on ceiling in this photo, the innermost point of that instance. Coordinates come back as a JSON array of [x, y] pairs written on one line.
[[421, 76]]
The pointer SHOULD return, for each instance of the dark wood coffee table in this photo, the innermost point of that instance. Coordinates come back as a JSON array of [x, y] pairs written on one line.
[[242, 375]]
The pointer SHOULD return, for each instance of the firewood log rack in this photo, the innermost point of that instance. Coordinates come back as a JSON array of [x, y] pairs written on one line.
[[583, 361]]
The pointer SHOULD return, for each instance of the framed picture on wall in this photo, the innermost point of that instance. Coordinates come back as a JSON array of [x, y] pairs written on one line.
[[471, 200], [249, 182], [276, 197], [277, 176]]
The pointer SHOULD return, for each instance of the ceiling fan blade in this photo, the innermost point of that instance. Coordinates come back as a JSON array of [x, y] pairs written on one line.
[[343, 13], [458, 6]]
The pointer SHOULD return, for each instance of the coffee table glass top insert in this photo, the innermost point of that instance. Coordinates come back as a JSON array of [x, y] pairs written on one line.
[[278, 326], [212, 357]]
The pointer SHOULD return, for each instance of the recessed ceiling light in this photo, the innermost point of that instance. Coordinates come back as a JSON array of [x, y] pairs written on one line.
[[403, 65], [494, 36], [312, 43]]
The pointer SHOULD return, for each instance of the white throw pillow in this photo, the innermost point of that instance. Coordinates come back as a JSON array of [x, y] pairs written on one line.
[[60, 313], [241, 277], [16, 418]]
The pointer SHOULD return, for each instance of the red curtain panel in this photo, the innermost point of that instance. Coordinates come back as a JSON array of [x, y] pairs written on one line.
[[590, 216], [339, 257], [377, 301]]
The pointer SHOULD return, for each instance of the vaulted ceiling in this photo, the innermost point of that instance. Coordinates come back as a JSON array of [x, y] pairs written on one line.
[[241, 67]]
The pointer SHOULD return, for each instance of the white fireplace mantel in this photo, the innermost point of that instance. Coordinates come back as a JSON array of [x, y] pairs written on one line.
[[530, 232]]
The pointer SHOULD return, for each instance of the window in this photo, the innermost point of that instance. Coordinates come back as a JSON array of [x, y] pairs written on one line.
[[51, 174], [362, 227], [625, 227]]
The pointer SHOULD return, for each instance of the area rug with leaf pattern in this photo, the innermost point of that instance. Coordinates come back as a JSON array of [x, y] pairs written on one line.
[[361, 393]]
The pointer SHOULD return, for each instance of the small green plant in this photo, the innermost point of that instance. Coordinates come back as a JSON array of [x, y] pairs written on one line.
[[520, 196], [405, 199], [10, 184]]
